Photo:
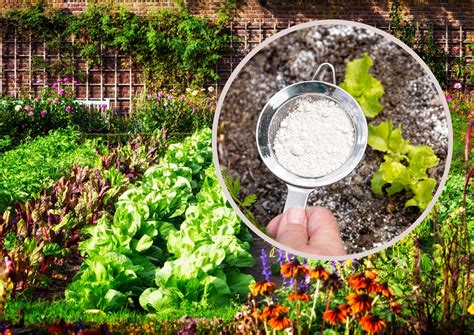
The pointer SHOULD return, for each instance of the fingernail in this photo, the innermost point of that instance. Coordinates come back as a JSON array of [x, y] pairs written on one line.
[[295, 215]]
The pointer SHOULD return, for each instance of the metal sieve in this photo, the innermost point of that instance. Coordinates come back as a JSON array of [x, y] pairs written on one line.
[[280, 106]]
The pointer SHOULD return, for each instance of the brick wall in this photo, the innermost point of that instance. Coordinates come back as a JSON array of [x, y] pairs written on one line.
[[254, 21]]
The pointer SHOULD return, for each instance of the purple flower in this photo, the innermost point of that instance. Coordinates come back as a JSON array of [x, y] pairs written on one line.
[[170, 96], [103, 106], [43, 113], [59, 81], [181, 97], [66, 79], [56, 101], [61, 92], [54, 85], [68, 109], [149, 96], [457, 86], [448, 98], [157, 98], [161, 95], [265, 268]]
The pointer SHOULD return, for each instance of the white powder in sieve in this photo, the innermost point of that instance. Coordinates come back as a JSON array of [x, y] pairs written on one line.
[[315, 139]]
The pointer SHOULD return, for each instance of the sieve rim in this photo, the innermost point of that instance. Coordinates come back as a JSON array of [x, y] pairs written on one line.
[[327, 90]]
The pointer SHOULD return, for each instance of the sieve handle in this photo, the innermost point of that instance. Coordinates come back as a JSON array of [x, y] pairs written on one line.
[[297, 197], [332, 69]]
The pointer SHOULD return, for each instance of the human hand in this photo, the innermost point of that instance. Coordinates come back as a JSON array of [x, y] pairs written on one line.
[[313, 231]]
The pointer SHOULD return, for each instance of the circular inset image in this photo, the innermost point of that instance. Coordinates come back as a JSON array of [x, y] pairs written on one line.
[[339, 137]]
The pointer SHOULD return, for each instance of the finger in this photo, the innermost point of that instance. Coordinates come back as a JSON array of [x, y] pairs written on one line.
[[324, 232], [292, 229], [272, 227]]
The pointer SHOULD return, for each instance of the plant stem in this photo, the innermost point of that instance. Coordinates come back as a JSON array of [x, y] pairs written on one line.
[[327, 308], [315, 299]]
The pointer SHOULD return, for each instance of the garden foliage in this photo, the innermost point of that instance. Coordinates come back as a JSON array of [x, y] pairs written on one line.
[[172, 237], [364, 87], [37, 164], [404, 167], [174, 48]]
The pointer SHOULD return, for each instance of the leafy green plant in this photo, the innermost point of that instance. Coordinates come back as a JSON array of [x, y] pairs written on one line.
[[54, 107], [171, 115], [364, 87], [46, 230], [404, 167], [174, 48], [35, 165], [164, 233]]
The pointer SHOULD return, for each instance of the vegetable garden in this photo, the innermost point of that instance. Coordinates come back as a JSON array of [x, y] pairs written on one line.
[[115, 224]]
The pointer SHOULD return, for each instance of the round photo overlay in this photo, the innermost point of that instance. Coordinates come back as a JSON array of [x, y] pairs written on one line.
[[339, 136]]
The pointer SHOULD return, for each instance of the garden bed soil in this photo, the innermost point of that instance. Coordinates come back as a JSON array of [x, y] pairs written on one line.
[[366, 220]]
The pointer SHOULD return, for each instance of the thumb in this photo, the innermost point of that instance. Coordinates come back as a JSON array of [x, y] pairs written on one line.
[[292, 228]]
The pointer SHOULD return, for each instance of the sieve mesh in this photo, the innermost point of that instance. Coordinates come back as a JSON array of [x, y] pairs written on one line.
[[286, 108]]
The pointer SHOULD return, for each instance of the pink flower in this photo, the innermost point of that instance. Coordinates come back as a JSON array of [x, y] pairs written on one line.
[[170, 96], [61, 92], [66, 79], [56, 100], [74, 82], [148, 96], [457, 86], [43, 113], [39, 81], [161, 95], [54, 85], [181, 97], [59, 81], [38, 99], [103, 106], [448, 98], [30, 113], [68, 109]]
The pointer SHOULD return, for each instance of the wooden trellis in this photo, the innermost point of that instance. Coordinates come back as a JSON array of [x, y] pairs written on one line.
[[115, 77]]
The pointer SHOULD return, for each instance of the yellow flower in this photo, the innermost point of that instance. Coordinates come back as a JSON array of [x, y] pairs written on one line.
[[471, 309]]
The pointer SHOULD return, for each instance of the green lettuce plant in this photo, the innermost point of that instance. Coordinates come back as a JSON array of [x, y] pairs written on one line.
[[405, 166], [364, 87], [173, 237]]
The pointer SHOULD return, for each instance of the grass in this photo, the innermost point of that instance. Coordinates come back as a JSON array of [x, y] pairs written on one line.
[[42, 312]]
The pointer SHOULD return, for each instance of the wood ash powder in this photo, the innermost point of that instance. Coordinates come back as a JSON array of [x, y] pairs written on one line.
[[315, 139]]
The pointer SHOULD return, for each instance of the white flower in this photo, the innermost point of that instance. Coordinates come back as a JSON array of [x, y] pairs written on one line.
[[18, 108], [188, 89], [210, 89], [194, 93]]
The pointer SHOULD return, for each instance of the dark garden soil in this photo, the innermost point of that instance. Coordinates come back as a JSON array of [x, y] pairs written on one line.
[[365, 220]]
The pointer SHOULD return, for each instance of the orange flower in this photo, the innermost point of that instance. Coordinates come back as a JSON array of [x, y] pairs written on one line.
[[280, 322], [336, 315], [299, 296], [293, 269], [359, 302], [372, 324], [263, 288], [273, 311], [364, 281], [395, 307], [385, 290], [319, 272]]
